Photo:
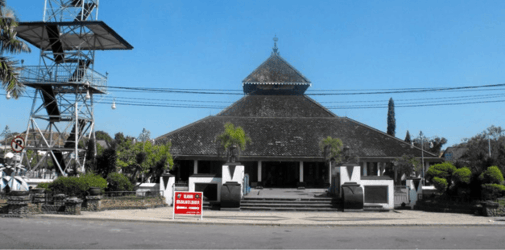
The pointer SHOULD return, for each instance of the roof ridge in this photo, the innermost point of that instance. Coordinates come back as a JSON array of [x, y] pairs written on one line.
[[182, 128], [320, 105], [394, 137], [232, 105]]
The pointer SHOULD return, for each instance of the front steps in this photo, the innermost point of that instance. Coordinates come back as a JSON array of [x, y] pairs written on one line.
[[290, 204]]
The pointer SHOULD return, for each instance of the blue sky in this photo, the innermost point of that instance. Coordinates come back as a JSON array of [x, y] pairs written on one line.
[[336, 44]]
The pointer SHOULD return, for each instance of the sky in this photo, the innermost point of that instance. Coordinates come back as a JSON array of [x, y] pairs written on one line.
[[337, 45]]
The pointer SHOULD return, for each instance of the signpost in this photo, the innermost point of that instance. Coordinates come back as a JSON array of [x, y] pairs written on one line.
[[188, 203], [18, 144]]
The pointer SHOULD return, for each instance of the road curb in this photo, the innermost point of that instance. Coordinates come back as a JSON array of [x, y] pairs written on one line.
[[263, 224]]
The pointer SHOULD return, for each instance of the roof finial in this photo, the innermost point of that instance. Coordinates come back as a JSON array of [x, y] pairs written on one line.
[[275, 45]]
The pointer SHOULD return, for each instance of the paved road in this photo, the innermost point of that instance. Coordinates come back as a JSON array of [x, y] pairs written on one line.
[[61, 233]]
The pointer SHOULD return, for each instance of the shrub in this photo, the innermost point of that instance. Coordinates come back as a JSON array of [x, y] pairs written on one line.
[[462, 175], [443, 170], [45, 186], [438, 172], [77, 186], [492, 191], [440, 184], [492, 175], [118, 182]]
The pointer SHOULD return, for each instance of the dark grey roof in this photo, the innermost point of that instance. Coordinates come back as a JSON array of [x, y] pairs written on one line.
[[287, 137], [276, 106], [276, 70], [454, 153]]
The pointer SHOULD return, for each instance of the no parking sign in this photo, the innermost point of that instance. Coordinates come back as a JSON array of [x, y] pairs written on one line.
[[18, 144]]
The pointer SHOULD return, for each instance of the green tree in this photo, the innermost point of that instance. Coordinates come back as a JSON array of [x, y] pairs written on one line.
[[143, 158], [391, 118], [331, 149], [407, 138], [233, 140], [9, 43], [433, 145], [439, 174], [477, 157], [406, 165], [144, 136]]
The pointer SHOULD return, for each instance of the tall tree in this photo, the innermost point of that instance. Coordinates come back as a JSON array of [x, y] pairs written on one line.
[[9, 73], [391, 118], [407, 138]]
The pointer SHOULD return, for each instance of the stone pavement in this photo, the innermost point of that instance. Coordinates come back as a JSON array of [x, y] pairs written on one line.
[[392, 218]]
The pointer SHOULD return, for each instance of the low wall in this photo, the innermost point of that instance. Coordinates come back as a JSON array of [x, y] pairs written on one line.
[[133, 203]]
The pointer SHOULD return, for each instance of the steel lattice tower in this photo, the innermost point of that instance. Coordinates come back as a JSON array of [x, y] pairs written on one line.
[[65, 81]]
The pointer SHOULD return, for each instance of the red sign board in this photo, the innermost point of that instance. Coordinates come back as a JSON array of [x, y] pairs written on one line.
[[188, 203]]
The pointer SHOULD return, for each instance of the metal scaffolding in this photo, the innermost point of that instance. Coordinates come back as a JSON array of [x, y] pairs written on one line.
[[62, 116]]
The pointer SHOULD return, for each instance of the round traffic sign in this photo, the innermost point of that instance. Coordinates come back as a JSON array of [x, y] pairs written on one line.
[[18, 144]]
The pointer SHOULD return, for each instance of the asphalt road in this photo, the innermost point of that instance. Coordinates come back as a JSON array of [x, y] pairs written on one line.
[[61, 233]]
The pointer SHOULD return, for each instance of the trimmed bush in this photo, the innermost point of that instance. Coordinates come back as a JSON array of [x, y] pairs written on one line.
[[45, 186], [442, 170], [492, 175], [462, 175], [492, 191], [77, 186], [440, 184], [118, 182]]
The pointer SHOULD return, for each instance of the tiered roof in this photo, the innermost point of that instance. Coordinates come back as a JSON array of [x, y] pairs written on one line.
[[283, 125]]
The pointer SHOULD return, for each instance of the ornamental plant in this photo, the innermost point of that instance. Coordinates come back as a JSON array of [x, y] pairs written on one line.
[[331, 148], [492, 175], [118, 182], [441, 176], [233, 137]]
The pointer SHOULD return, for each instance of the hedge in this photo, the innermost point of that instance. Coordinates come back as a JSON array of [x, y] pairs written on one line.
[[77, 186]]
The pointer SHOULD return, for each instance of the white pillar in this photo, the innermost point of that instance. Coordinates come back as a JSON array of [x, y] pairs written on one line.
[[195, 167], [329, 172], [259, 171], [379, 168], [301, 171]]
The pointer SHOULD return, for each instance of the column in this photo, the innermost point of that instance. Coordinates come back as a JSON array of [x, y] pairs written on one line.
[[329, 172], [301, 171], [195, 167], [379, 168], [259, 171], [365, 168]]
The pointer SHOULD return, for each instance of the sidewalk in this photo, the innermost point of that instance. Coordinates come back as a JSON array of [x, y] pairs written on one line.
[[392, 218]]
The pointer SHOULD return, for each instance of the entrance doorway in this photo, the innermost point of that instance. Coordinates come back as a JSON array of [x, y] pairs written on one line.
[[280, 174]]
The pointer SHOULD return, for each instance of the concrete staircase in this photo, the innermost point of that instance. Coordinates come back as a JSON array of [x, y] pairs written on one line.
[[290, 204]]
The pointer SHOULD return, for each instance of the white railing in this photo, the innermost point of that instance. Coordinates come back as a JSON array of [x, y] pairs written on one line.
[[60, 74]]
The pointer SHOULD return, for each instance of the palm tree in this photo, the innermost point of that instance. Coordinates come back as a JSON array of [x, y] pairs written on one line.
[[10, 44], [331, 148], [233, 140]]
